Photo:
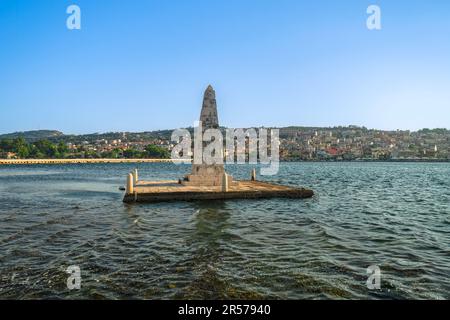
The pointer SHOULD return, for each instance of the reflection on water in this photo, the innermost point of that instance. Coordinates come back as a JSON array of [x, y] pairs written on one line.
[[394, 215]]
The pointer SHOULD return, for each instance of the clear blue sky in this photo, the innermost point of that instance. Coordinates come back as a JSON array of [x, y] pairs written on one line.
[[143, 65]]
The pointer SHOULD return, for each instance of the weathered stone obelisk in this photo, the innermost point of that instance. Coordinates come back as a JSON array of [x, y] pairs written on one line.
[[207, 174], [208, 115]]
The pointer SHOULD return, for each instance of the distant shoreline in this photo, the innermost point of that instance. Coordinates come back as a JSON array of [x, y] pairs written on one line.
[[78, 161], [104, 160]]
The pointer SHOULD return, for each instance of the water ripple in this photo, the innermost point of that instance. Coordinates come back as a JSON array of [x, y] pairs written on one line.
[[394, 215]]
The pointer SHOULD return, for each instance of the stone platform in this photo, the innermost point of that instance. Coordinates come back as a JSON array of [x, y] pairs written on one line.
[[159, 191]]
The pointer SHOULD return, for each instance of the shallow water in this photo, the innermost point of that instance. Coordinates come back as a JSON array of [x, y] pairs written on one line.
[[393, 215]]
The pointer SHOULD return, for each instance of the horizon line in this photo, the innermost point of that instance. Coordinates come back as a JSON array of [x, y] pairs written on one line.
[[187, 127]]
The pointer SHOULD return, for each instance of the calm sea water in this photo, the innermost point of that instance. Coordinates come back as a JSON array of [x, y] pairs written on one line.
[[393, 215]]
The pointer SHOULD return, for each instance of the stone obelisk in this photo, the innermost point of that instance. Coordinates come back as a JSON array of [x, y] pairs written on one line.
[[207, 174], [208, 115]]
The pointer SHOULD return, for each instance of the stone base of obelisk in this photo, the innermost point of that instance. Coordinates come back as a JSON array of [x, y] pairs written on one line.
[[206, 175]]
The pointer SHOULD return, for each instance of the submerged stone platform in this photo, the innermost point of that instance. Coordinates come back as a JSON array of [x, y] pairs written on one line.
[[159, 191]]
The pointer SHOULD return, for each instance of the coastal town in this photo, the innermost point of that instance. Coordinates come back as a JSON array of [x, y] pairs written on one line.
[[360, 143], [350, 143]]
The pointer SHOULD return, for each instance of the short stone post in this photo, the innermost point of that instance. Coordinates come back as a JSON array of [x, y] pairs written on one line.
[[254, 174], [130, 184], [225, 182], [135, 176]]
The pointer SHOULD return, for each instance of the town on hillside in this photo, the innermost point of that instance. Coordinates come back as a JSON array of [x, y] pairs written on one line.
[[296, 143]]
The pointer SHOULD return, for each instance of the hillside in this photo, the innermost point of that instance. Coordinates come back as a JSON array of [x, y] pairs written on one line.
[[33, 135]]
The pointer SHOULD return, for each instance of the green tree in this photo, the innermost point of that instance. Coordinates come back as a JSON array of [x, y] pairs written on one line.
[[132, 153], [62, 149], [23, 151], [154, 151], [6, 145], [20, 145], [113, 154], [90, 154], [46, 148]]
